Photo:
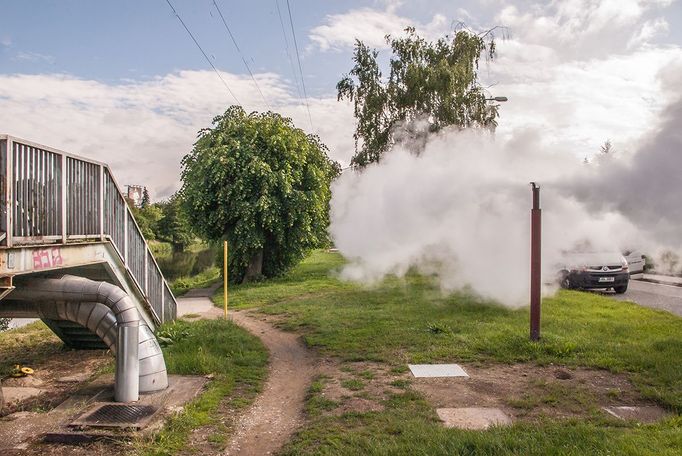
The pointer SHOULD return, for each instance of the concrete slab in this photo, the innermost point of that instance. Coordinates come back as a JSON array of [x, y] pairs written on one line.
[[20, 322], [642, 414], [202, 292], [197, 306], [29, 380], [14, 394], [473, 418], [22, 429], [181, 389], [437, 370]]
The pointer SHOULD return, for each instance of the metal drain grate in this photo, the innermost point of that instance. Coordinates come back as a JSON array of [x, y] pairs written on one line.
[[118, 415]]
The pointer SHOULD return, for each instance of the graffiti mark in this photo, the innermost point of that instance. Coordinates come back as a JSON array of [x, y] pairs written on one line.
[[47, 258]]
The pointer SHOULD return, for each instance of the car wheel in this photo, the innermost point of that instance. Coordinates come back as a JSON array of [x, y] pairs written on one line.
[[565, 281], [621, 289]]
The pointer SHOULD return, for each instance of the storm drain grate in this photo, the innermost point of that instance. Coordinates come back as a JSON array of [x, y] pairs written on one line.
[[117, 415]]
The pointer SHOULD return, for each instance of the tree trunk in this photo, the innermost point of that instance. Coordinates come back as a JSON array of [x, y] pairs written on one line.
[[255, 269]]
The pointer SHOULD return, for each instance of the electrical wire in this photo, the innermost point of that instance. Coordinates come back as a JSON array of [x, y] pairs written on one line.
[[202, 51], [300, 68], [234, 41], [286, 46]]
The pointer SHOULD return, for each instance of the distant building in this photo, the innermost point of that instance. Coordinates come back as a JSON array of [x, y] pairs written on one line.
[[135, 194]]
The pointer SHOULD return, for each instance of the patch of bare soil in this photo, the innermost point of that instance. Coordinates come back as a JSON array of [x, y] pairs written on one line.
[[58, 377], [529, 392], [523, 391], [278, 411], [358, 387]]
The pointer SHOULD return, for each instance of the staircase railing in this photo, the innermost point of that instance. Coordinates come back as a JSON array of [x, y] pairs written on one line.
[[48, 196]]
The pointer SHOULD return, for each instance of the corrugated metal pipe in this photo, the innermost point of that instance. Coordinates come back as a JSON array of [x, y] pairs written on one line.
[[107, 311]]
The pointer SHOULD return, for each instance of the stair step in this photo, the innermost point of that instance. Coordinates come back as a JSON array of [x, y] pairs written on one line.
[[76, 336]]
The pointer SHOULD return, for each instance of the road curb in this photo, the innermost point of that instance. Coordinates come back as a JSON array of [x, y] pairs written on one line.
[[660, 282]]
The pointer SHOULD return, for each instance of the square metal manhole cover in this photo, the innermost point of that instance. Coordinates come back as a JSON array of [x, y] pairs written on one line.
[[437, 370], [116, 415]]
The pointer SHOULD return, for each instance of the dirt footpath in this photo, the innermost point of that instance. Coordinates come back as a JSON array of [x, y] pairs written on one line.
[[278, 411]]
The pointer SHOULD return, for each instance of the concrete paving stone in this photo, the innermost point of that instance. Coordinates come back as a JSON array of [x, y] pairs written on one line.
[[193, 306], [473, 418], [437, 370], [643, 414], [29, 380], [13, 394]]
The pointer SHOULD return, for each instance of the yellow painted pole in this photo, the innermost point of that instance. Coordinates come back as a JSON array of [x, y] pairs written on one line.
[[225, 277]]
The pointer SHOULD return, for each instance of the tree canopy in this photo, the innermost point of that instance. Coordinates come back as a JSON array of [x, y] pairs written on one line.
[[164, 221], [431, 85], [145, 198], [262, 184], [147, 218]]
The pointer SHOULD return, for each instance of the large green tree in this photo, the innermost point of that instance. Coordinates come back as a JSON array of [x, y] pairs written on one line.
[[262, 184], [431, 85]]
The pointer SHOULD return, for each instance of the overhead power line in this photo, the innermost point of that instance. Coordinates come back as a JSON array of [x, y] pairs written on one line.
[[286, 47], [234, 41], [202, 51], [300, 68]]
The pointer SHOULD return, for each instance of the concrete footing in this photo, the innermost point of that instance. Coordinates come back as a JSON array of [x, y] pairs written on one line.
[[61, 424]]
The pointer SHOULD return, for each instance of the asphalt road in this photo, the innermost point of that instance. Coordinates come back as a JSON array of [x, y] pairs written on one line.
[[654, 295]]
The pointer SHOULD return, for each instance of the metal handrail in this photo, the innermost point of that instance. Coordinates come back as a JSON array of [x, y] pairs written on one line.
[[53, 197]]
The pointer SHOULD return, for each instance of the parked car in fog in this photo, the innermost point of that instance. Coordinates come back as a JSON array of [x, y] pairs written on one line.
[[635, 261], [594, 270]]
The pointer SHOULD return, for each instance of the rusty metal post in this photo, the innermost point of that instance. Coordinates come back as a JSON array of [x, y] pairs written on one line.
[[535, 264]]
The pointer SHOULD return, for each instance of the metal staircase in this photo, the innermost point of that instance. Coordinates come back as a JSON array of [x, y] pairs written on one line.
[[64, 214]]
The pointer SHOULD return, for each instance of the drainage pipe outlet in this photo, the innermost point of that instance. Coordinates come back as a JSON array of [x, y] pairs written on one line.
[[109, 312]]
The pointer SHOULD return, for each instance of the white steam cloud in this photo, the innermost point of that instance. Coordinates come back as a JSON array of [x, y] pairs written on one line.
[[460, 210]]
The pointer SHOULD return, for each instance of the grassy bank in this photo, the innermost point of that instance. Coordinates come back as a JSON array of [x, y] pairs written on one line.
[[410, 320], [29, 345], [237, 362]]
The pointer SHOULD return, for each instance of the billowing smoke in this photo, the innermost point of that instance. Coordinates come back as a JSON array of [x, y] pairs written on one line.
[[460, 209], [646, 188]]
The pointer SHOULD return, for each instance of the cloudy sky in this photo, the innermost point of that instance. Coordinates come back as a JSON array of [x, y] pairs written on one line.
[[122, 81]]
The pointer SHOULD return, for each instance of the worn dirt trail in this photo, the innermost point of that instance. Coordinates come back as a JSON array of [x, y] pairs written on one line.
[[278, 411]]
